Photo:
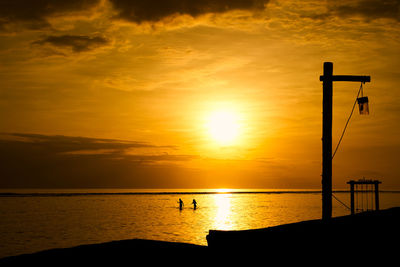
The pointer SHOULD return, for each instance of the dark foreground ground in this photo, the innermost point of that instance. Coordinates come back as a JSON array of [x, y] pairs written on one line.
[[370, 237]]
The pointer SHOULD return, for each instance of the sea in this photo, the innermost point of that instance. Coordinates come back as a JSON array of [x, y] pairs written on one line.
[[36, 220]]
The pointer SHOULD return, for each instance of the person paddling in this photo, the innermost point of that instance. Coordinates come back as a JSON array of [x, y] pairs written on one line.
[[180, 204], [194, 204]]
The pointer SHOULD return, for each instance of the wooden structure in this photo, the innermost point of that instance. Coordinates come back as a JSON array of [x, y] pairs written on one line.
[[369, 191], [327, 82]]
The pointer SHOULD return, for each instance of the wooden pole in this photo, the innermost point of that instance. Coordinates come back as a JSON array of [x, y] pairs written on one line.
[[377, 195], [352, 198], [327, 79], [327, 141]]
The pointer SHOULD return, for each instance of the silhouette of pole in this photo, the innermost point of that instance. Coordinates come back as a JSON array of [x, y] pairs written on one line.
[[327, 87], [327, 141], [376, 183], [352, 197]]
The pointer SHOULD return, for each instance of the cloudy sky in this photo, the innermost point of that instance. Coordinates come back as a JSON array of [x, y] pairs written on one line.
[[120, 94]]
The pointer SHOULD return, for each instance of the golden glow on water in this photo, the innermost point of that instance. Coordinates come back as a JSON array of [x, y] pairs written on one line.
[[223, 190], [68, 220], [223, 214]]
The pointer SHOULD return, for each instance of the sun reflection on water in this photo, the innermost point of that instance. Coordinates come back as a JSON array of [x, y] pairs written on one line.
[[223, 214]]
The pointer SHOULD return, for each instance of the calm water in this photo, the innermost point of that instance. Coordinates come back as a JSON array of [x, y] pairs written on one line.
[[33, 222]]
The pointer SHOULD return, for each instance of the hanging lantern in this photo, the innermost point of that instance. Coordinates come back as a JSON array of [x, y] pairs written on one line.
[[363, 105]]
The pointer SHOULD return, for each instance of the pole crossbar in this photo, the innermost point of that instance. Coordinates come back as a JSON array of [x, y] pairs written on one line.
[[345, 78]]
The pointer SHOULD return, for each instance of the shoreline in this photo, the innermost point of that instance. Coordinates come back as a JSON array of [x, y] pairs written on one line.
[[376, 230], [118, 251]]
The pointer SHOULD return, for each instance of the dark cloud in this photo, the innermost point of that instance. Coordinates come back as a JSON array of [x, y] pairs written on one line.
[[367, 9], [154, 10], [77, 43], [34, 14], [61, 143], [41, 161]]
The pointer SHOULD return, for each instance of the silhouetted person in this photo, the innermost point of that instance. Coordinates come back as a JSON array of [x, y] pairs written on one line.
[[194, 204], [180, 204]]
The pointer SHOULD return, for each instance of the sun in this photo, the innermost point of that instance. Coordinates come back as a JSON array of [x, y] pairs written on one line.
[[223, 126]]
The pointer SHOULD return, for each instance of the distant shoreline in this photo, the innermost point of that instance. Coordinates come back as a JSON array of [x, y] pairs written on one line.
[[12, 193]]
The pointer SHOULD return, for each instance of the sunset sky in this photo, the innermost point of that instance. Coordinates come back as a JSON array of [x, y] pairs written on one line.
[[194, 94]]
